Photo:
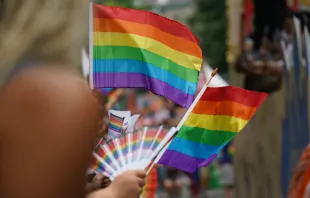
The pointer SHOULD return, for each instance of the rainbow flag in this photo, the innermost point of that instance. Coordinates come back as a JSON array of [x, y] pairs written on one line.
[[217, 118], [140, 49], [115, 126]]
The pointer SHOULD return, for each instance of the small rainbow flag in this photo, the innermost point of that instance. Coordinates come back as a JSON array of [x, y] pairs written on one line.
[[115, 126], [140, 49], [217, 118]]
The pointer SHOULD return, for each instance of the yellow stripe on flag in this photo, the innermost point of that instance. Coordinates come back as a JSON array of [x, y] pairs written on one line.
[[131, 40], [214, 122]]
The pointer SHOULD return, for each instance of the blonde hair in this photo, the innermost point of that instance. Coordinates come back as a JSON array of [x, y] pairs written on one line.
[[51, 31]]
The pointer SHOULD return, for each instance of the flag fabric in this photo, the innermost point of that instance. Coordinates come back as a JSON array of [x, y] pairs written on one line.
[[106, 91], [301, 176], [141, 49], [151, 184], [115, 126], [218, 116]]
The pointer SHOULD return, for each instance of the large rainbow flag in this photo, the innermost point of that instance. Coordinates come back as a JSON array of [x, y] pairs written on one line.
[[134, 48], [217, 118]]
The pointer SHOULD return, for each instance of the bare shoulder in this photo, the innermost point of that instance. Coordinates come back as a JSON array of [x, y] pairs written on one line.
[[53, 84], [55, 92], [48, 122]]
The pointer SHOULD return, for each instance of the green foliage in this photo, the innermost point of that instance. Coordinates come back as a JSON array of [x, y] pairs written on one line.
[[209, 24], [144, 7], [122, 3]]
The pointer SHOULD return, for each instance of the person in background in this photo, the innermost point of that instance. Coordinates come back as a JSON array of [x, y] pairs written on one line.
[[261, 59], [214, 181], [195, 183], [175, 111], [267, 22], [227, 170], [175, 183], [49, 117]]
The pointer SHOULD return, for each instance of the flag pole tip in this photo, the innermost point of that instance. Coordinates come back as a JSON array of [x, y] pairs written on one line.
[[214, 72]]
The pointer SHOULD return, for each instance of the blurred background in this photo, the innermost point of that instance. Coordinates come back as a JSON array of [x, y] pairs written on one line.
[[242, 39]]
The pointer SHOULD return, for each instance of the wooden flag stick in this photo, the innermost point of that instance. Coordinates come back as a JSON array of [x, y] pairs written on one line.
[[190, 109]]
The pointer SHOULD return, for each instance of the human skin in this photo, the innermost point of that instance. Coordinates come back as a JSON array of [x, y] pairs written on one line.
[[48, 124]]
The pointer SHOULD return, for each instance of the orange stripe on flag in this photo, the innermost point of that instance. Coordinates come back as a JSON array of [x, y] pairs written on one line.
[[145, 17], [227, 108], [121, 26]]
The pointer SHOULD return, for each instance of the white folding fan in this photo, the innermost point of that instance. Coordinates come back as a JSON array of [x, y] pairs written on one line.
[[131, 151]]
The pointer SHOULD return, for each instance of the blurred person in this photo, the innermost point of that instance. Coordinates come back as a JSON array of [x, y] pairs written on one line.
[[214, 189], [161, 178], [49, 116], [227, 179], [162, 115], [176, 112], [195, 182], [227, 170], [261, 58], [176, 183], [267, 22]]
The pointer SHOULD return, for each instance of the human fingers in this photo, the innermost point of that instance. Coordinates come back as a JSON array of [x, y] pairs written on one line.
[[105, 182], [98, 177], [141, 182], [140, 173], [90, 177], [97, 181], [136, 191], [140, 191]]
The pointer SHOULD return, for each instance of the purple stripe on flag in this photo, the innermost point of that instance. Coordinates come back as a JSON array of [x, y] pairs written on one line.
[[184, 162], [135, 80]]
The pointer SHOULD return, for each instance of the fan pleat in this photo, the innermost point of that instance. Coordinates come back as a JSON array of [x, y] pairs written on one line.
[[130, 151]]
